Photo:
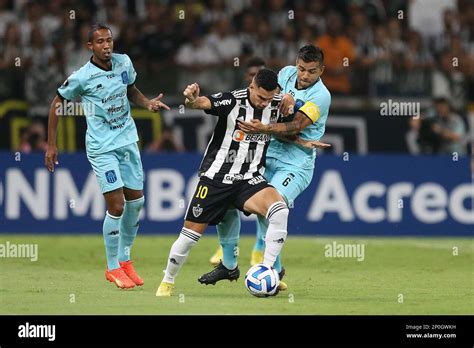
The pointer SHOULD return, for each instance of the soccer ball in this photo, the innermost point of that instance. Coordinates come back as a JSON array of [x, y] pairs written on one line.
[[262, 280]]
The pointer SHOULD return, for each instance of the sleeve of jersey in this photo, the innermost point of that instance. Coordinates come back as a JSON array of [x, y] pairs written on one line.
[[132, 74], [282, 76], [71, 88], [221, 104], [311, 110]]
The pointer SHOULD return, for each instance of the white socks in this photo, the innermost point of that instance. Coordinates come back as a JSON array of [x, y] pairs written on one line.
[[179, 253], [277, 217]]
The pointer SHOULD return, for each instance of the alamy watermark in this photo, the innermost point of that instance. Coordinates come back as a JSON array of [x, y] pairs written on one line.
[[344, 250], [11, 250], [69, 108], [397, 108]]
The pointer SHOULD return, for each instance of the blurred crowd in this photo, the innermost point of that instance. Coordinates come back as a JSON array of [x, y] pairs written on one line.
[[381, 48]]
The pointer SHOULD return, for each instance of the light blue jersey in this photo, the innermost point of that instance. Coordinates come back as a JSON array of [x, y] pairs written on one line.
[[314, 102], [105, 104]]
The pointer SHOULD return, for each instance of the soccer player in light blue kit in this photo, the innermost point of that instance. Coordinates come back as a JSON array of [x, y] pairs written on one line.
[[289, 165], [105, 84]]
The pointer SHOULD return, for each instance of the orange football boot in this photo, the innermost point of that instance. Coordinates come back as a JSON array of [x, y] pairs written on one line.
[[130, 272], [120, 279]]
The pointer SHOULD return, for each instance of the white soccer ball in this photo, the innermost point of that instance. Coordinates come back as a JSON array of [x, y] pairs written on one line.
[[262, 280]]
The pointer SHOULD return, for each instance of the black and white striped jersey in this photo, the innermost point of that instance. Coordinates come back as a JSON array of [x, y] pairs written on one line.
[[231, 154]]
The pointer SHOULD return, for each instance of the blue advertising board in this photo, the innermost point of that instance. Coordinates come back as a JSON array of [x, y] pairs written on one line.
[[380, 195]]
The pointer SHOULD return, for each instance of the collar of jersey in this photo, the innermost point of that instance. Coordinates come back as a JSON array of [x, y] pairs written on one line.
[[101, 68]]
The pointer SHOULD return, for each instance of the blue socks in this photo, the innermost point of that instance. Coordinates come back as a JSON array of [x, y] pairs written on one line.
[[129, 227], [111, 240], [228, 231], [262, 225]]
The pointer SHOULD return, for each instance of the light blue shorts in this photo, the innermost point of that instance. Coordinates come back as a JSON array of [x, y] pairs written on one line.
[[118, 168], [290, 181]]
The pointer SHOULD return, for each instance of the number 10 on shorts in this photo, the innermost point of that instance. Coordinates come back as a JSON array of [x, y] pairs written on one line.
[[202, 192]]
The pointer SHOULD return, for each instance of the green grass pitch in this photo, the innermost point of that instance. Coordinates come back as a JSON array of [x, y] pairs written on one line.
[[397, 276]]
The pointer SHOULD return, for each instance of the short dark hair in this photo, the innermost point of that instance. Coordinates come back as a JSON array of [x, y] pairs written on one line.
[[267, 79], [94, 28], [311, 53], [255, 61], [440, 99]]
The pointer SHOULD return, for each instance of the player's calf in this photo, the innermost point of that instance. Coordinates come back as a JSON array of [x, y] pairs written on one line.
[[277, 216]]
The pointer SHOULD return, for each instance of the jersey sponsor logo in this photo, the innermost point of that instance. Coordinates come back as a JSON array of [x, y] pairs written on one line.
[[239, 136], [125, 78], [113, 109], [257, 180], [197, 211], [222, 102], [110, 176], [257, 137], [115, 96], [233, 177]]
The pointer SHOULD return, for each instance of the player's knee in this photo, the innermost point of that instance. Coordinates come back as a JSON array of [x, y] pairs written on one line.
[[137, 203], [277, 215], [116, 208]]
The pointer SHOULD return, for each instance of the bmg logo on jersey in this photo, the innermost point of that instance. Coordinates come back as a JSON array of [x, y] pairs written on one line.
[[222, 102], [111, 176]]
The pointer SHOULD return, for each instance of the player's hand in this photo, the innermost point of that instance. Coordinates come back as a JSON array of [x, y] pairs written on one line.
[[287, 105], [192, 92], [252, 127], [311, 144], [51, 158], [155, 104]]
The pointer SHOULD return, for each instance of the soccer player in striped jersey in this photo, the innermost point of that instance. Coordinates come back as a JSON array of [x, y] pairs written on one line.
[[231, 170], [254, 65], [289, 166]]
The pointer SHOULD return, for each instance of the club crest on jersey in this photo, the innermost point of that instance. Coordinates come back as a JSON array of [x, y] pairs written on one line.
[[125, 78], [274, 116], [197, 211], [299, 103], [110, 176]]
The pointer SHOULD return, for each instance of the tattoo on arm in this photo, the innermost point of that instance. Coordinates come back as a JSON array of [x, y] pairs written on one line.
[[287, 129]]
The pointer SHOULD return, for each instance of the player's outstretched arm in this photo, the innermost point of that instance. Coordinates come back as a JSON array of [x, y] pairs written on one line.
[[193, 100], [137, 97], [51, 156], [300, 122], [310, 144]]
